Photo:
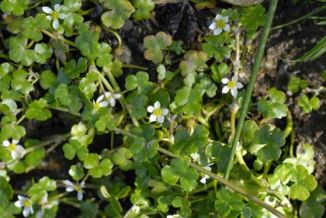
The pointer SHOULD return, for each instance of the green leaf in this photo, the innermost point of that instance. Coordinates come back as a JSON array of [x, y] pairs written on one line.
[[314, 206], [16, 7], [48, 79], [216, 46], [144, 9], [188, 100], [62, 94], [296, 84], [252, 17], [275, 107], [20, 83], [87, 43], [19, 52], [228, 204], [104, 56], [119, 11], [37, 110], [307, 104], [105, 122], [36, 191], [187, 144], [35, 158], [76, 172], [137, 105], [221, 153], [91, 160], [121, 157], [268, 144], [180, 171], [6, 188], [155, 44], [248, 132], [193, 62], [139, 81]]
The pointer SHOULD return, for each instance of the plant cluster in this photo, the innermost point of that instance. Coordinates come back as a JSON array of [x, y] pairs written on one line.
[[167, 129]]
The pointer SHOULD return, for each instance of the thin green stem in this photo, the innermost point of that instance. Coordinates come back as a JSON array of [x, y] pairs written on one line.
[[65, 110], [300, 18], [54, 36], [131, 66], [251, 84], [227, 183]]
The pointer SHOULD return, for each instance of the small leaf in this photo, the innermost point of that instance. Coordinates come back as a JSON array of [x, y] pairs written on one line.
[[37, 110], [155, 45]]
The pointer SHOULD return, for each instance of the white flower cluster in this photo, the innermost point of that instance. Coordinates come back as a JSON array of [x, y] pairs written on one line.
[[104, 100]]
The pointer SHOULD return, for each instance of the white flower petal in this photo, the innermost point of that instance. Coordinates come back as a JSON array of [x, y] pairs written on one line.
[[15, 141], [227, 28], [104, 104], [6, 143], [234, 92], [99, 99], [212, 26], [225, 80], [165, 111], [68, 183], [239, 85], [19, 203], [80, 195], [47, 10], [57, 7], [40, 213], [152, 118], [150, 109], [18, 153], [225, 90], [160, 119], [69, 189], [217, 31], [108, 94], [225, 18], [203, 180], [27, 211], [55, 24], [218, 17], [157, 104], [117, 96], [49, 17], [112, 102]]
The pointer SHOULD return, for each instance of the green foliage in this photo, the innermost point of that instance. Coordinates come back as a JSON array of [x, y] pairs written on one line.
[[119, 11], [179, 171], [155, 45], [307, 104], [275, 106], [78, 100], [16, 7], [143, 9], [193, 62]]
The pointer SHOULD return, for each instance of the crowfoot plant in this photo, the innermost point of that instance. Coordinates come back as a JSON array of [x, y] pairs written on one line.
[[93, 133]]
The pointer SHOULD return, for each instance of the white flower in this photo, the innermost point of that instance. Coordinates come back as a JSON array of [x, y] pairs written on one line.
[[219, 24], [54, 15], [173, 216], [17, 151], [135, 209], [100, 102], [157, 113], [111, 98], [45, 204], [232, 85], [203, 180], [70, 187], [26, 204]]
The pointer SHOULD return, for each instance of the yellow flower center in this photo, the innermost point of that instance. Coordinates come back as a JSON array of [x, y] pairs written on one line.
[[12, 147], [157, 112], [220, 24], [77, 188], [27, 203], [97, 106], [55, 15], [232, 84]]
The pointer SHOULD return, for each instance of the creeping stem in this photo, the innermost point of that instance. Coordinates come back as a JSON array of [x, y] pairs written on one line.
[[251, 84]]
